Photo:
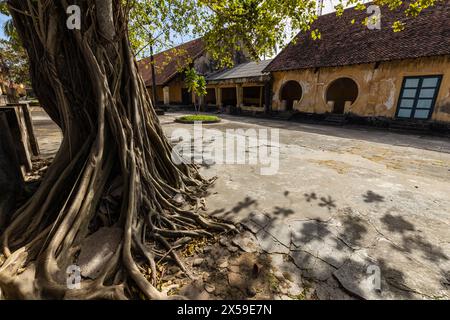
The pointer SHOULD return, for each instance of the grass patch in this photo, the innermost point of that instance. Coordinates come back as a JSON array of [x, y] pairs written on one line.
[[198, 117]]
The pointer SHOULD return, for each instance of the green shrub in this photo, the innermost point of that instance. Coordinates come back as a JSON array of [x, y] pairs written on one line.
[[198, 117]]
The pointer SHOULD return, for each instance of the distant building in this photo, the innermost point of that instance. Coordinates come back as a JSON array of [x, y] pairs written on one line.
[[170, 66], [242, 88], [368, 73]]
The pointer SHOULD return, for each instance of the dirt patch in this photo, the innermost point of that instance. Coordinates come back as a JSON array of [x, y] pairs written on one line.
[[223, 271], [339, 166]]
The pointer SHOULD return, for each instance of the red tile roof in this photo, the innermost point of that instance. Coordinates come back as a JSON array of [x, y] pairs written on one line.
[[344, 43], [168, 63]]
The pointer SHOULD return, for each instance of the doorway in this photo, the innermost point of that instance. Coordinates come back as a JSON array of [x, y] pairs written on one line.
[[291, 92], [341, 91]]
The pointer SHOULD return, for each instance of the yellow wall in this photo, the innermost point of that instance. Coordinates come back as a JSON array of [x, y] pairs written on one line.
[[159, 93], [175, 87], [174, 92], [379, 88]]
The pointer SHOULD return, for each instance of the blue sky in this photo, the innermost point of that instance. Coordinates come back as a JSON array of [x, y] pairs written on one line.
[[3, 18]]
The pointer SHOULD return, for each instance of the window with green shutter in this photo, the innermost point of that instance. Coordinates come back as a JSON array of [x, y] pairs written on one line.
[[417, 97]]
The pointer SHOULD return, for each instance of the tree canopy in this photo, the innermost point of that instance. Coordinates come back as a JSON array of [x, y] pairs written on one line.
[[259, 27], [159, 23]]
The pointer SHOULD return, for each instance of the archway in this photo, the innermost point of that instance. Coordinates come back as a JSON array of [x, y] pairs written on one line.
[[291, 91], [340, 91]]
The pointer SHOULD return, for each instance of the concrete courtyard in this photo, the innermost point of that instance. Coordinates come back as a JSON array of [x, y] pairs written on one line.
[[347, 207]]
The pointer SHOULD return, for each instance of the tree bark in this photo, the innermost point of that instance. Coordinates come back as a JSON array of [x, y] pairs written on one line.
[[88, 82], [152, 66]]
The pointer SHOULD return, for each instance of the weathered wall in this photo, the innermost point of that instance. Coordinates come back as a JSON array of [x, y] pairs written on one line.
[[175, 87], [379, 87], [159, 93], [175, 95]]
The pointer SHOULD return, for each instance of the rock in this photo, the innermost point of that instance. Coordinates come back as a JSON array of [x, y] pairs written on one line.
[[195, 291], [224, 242], [210, 262], [178, 198], [210, 288], [97, 249], [256, 221], [197, 262], [282, 297], [269, 244], [251, 291], [232, 249], [279, 275], [283, 266], [246, 241], [331, 290], [223, 264], [312, 267], [236, 280]]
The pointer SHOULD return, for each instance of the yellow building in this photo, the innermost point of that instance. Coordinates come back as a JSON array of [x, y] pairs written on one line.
[[364, 71], [169, 71], [169, 66]]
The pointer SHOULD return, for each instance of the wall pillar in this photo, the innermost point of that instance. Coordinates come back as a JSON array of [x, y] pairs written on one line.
[[166, 92], [261, 102], [219, 98], [330, 106], [239, 96]]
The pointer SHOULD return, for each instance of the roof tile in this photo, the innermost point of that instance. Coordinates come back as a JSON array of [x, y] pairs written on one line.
[[169, 62], [344, 43]]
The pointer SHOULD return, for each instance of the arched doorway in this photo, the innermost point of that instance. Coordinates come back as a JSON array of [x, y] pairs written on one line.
[[291, 91], [340, 91]]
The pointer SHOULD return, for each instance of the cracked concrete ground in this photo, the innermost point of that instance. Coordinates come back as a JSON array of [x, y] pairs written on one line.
[[343, 203]]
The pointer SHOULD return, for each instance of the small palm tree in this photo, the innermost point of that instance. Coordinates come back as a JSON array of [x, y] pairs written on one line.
[[196, 84]]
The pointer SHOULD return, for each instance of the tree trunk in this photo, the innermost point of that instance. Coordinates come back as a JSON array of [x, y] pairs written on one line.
[[88, 82], [152, 66]]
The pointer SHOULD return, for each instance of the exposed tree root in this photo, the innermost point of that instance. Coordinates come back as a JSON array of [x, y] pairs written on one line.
[[89, 84]]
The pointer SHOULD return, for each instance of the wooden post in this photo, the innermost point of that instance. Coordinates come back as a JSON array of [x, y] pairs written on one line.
[[239, 96], [20, 135], [11, 179], [29, 124], [219, 98], [261, 96]]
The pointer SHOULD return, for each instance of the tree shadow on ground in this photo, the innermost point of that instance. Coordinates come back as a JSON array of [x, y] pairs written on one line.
[[412, 241], [310, 231], [320, 266], [285, 212], [353, 231], [429, 251], [371, 197], [321, 248], [397, 224], [325, 201]]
